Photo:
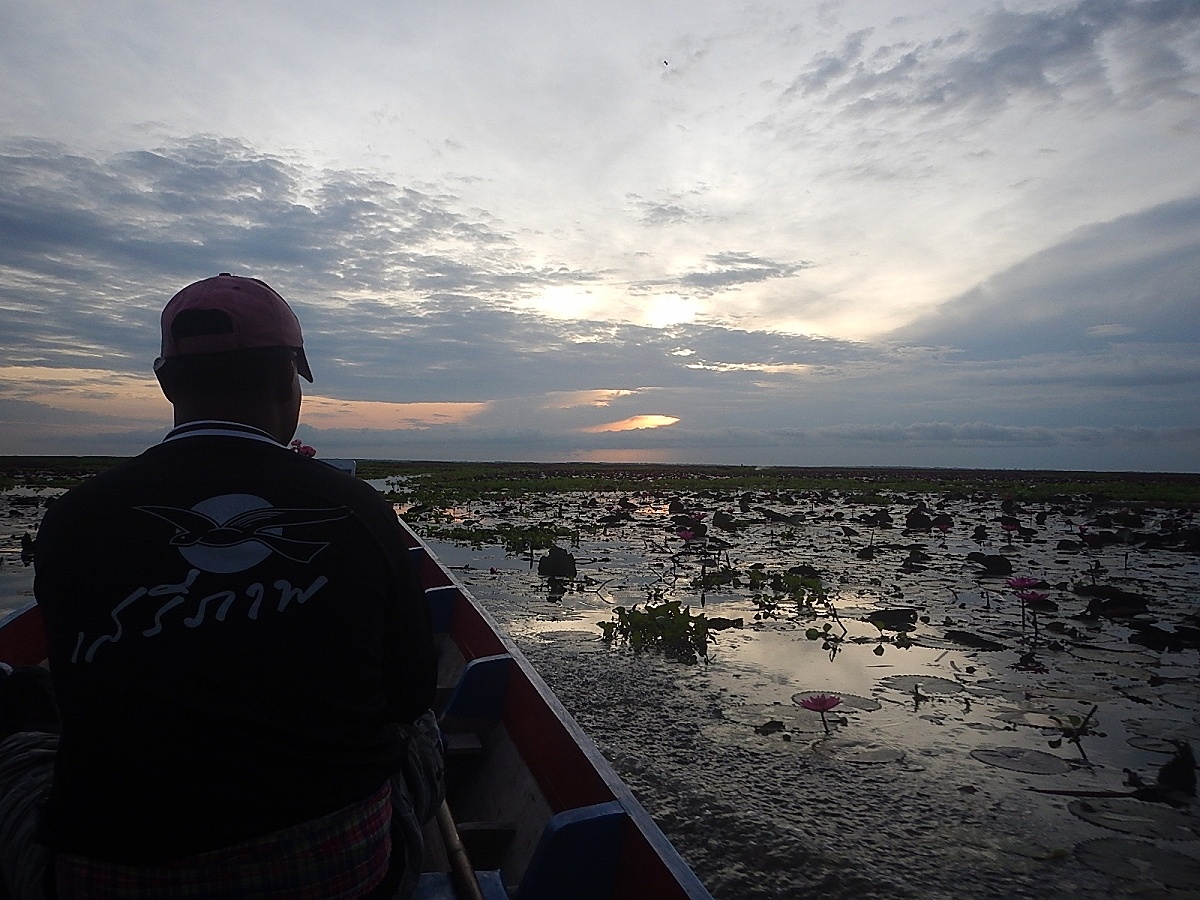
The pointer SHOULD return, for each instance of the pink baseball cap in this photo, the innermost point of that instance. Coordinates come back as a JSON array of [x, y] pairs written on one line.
[[228, 313]]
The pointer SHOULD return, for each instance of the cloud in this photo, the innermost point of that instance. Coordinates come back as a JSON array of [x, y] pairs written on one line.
[[1128, 51], [633, 423], [675, 209], [414, 308], [1141, 270]]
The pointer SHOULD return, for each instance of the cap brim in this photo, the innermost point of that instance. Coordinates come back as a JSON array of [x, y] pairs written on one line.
[[302, 364]]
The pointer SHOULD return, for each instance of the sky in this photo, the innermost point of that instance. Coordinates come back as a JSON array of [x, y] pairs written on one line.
[[938, 233]]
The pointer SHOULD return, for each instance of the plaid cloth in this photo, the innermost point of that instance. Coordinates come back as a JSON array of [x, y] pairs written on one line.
[[26, 772], [342, 855]]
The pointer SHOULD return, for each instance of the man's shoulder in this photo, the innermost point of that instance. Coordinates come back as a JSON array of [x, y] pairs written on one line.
[[111, 479], [362, 495]]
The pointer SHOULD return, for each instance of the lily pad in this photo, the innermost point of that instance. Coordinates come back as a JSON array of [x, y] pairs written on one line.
[[1130, 670], [1156, 735], [859, 751], [975, 641], [1033, 718], [757, 715], [1018, 759], [1175, 695], [928, 684], [1139, 861], [1111, 654], [1136, 817]]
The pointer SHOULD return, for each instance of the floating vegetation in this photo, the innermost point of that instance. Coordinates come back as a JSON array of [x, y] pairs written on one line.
[[1160, 735], [514, 538], [667, 627], [1021, 759], [921, 684]]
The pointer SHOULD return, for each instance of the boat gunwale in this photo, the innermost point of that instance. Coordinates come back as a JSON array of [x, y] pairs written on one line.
[[652, 840]]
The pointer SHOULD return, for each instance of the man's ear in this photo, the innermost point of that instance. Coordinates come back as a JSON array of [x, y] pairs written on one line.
[[164, 381], [286, 374]]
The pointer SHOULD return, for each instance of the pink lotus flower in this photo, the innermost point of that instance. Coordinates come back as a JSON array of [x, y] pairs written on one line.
[[302, 448], [1023, 582], [1032, 596], [821, 703], [686, 533]]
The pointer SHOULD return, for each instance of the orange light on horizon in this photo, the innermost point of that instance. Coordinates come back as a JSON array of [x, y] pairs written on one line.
[[628, 456], [137, 400], [109, 396], [573, 399], [327, 412], [633, 423]]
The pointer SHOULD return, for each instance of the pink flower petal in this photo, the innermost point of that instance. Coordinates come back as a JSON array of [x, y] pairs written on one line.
[[1029, 596], [1022, 582], [820, 702]]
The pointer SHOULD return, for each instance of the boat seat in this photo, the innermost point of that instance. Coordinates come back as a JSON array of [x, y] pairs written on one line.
[[576, 858], [441, 606], [577, 855], [481, 690], [440, 886]]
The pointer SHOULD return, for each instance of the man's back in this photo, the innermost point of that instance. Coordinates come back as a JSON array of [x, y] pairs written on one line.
[[234, 634]]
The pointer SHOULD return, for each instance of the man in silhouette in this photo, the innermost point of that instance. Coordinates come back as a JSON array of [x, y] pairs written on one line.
[[240, 649]]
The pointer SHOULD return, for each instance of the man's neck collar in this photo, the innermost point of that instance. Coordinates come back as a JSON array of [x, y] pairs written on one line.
[[218, 428]]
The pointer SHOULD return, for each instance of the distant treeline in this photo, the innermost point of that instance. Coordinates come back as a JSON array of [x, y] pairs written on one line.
[[446, 483]]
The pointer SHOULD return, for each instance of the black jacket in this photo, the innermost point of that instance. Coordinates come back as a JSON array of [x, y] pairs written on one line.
[[235, 631]]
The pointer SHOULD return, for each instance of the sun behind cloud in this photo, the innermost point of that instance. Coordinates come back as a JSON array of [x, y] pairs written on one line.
[[633, 423]]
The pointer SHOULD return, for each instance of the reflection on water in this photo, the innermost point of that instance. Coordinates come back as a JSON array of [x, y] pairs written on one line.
[[1013, 688], [20, 511]]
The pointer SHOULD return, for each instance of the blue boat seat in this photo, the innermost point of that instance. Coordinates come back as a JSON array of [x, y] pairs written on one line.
[[576, 859], [481, 690], [577, 855], [441, 606], [440, 886]]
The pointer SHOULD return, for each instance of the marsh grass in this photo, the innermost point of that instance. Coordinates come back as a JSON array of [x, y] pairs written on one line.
[[448, 484]]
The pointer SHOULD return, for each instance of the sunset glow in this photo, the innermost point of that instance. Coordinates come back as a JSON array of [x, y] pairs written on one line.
[[324, 412], [633, 423]]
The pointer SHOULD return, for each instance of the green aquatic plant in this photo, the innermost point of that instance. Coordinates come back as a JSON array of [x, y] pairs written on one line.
[[830, 642], [1074, 729], [667, 627], [516, 539], [798, 586]]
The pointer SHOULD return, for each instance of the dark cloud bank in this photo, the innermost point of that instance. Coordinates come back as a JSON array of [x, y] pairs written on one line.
[[1083, 356]]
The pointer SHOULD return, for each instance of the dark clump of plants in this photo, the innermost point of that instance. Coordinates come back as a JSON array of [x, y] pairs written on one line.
[[667, 627], [454, 483], [516, 539]]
